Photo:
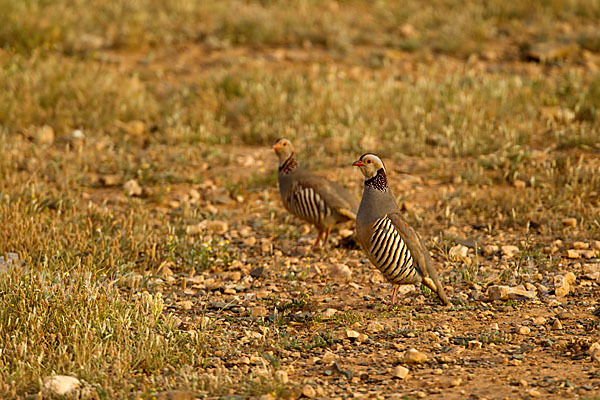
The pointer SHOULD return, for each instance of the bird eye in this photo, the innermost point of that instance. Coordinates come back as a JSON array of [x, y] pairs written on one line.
[[284, 144], [369, 161]]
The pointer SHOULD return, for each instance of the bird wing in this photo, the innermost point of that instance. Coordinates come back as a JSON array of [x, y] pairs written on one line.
[[335, 195]]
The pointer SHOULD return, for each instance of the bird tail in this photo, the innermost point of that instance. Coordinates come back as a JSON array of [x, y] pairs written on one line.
[[432, 281]]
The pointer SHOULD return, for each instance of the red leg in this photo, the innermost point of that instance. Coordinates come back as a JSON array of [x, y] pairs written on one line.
[[318, 239], [394, 292], [326, 236]]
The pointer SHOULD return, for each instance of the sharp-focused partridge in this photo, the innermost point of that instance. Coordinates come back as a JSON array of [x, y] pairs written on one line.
[[391, 245], [312, 197]]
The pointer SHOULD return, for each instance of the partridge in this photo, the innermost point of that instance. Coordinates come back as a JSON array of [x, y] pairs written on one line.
[[311, 197], [390, 243]]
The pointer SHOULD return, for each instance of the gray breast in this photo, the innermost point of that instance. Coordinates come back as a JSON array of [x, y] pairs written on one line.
[[390, 253]]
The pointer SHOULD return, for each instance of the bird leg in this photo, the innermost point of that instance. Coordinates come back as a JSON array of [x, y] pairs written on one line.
[[326, 236], [394, 292], [318, 239]]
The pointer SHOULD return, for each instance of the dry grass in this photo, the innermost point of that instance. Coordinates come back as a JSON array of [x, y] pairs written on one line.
[[87, 298]]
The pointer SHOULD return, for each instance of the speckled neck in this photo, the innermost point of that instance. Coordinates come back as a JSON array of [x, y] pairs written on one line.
[[289, 165], [379, 181]]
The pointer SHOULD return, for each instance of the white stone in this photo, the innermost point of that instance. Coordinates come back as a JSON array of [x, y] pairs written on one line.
[[61, 385]]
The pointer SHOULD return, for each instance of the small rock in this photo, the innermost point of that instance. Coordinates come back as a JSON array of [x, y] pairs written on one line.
[[61, 385], [458, 252], [44, 135], [563, 283], [534, 393], [250, 241], [501, 292], [328, 358], [581, 245], [194, 229], [524, 330], [375, 326], [352, 334], [258, 311], [258, 272], [217, 226], [282, 376], [400, 372], [572, 254], [474, 344], [596, 244], [413, 356], [308, 391], [594, 351], [420, 395], [328, 313], [540, 321], [519, 184], [132, 188], [455, 382], [570, 222], [110, 180], [344, 233], [340, 272], [186, 304], [557, 325], [509, 250], [175, 395], [490, 249], [552, 51]]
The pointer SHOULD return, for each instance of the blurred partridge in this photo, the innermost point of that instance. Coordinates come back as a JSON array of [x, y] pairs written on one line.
[[391, 245], [312, 197]]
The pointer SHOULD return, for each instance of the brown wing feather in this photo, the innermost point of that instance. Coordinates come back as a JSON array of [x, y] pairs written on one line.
[[420, 255]]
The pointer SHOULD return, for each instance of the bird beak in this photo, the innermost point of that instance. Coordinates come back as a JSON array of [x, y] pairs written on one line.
[[358, 164], [276, 146]]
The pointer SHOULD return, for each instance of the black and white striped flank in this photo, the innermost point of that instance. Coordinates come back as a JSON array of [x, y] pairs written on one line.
[[391, 254], [309, 205]]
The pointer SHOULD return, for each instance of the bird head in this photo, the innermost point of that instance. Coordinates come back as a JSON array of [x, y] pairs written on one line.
[[283, 148], [369, 165]]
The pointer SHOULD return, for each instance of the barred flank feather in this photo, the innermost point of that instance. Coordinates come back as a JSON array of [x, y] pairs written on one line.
[[391, 254], [308, 204]]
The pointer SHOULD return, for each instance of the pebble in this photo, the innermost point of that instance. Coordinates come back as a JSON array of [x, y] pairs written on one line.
[[308, 391], [413, 356], [540, 320], [570, 222], [458, 252], [563, 283], [44, 135], [329, 312], [509, 250], [217, 226], [352, 334], [490, 249], [132, 188], [340, 272], [501, 292], [572, 254], [61, 385], [581, 245], [186, 304], [282, 376], [420, 395], [594, 351], [328, 358], [534, 393], [400, 372], [557, 325], [524, 330], [258, 311], [175, 395], [455, 382]]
